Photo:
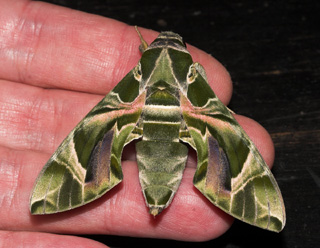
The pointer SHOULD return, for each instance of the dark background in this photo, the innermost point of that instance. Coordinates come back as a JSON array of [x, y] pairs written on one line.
[[271, 50]]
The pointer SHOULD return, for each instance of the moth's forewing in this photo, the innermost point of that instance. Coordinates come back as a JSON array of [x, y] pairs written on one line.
[[231, 173], [88, 162]]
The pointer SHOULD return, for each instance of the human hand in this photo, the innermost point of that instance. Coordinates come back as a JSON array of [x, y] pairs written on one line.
[[56, 64]]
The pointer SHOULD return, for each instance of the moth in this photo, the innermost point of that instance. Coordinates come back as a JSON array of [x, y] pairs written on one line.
[[167, 105]]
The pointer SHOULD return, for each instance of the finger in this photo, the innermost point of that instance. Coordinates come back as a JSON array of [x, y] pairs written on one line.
[[34, 239], [218, 77], [51, 46], [38, 119], [260, 137], [122, 211]]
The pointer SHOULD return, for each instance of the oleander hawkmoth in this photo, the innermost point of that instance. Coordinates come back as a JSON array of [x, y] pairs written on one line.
[[165, 103]]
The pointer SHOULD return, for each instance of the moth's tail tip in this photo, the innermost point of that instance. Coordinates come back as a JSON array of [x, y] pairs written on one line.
[[155, 211]]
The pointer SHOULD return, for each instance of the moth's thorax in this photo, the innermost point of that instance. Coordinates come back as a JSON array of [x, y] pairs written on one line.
[[167, 60]]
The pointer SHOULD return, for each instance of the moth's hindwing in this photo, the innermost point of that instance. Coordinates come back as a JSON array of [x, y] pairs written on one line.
[[88, 162], [231, 172]]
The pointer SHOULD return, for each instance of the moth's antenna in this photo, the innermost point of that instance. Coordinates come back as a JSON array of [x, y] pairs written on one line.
[[144, 45]]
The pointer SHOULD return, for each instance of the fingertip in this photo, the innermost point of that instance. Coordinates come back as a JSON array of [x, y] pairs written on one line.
[[260, 137], [218, 77], [199, 219]]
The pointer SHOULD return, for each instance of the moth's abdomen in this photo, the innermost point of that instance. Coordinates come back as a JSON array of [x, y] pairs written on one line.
[[160, 156], [161, 165]]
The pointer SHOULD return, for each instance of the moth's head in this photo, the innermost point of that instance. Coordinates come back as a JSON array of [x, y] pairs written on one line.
[[169, 39]]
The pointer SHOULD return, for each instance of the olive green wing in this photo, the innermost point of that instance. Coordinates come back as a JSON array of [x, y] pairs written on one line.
[[231, 173], [88, 162]]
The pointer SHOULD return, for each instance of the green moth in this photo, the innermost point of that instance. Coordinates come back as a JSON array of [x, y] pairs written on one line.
[[165, 103]]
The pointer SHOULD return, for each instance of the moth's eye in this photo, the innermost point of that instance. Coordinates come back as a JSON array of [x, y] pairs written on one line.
[[137, 72], [138, 68], [192, 74]]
